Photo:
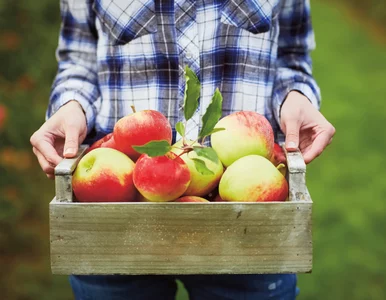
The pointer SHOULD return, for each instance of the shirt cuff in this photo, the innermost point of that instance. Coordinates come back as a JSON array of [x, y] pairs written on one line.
[[301, 87], [88, 109]]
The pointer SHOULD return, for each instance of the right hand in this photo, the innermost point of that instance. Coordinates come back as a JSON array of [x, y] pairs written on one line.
[[59, 137]]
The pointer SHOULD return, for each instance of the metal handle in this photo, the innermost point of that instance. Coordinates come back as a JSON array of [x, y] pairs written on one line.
[[297, 176], [63, 176]]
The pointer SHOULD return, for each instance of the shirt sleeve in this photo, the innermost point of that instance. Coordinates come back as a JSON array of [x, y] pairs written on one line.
[[76, 78], [294, 66]]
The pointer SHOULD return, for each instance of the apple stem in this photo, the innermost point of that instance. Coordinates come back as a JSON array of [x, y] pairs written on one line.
[[196, 141], [280, 166], [133, 108], [184, 151], [183, 138]]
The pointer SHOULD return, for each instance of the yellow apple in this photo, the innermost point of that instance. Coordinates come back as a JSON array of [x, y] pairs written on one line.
[[246, 133], [253, 178], [200, 185]]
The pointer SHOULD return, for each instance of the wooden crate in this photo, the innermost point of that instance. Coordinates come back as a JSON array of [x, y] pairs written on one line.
[[181, 238]]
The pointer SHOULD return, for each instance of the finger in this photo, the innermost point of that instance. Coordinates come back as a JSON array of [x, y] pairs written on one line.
[[48, 151], [71, 143], [44, 164], [292, 135], [319, 144]]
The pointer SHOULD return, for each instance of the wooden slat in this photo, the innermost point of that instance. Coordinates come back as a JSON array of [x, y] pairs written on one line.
[[68, 165], [180, 238], [296, 176], [63, 176], [295, 161]]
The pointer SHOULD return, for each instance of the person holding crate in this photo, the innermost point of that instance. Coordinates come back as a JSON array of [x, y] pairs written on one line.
[[113, 54]]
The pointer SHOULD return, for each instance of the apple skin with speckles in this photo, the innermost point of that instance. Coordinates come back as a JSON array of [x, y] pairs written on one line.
[[246, 133], [136, 129], [253, 178], [161, 178], [104, 175]]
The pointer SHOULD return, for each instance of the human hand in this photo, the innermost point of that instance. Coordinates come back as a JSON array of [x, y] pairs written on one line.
[[59, 137], [305, 127]]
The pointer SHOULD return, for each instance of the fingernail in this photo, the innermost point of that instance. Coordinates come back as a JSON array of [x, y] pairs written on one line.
[[69, 151], [291, 145]]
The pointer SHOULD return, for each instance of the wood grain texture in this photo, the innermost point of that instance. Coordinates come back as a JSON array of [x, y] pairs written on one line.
[[180, 238], [68, 165], [296, 177], [295, 161], [63, 176]]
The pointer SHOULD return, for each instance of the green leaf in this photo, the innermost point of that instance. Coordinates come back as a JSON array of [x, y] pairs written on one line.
[[212, 114], [216, 130], [206, 152], [201, 167], [180, 128], [154, 148], [192, 93]]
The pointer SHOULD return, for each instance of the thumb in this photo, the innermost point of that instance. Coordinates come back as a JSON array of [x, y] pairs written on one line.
[[292, 135], [71, 143]]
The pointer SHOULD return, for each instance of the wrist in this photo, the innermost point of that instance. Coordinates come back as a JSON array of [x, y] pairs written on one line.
[[75, 103], [295, 97]]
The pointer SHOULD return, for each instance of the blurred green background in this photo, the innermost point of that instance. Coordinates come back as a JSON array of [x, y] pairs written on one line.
[[347, 182]]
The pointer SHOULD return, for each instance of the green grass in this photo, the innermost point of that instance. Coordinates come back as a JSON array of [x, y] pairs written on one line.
[[347, 182]]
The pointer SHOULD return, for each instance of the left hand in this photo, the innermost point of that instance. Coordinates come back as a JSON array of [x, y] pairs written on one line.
[[304, 126]]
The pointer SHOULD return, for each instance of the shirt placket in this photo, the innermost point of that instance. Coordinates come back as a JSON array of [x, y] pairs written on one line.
[[189, 55]]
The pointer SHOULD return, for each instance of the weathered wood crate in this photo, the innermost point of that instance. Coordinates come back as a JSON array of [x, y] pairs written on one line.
[[181, 238]]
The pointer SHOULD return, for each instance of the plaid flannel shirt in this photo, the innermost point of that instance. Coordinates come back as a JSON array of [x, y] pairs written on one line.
[[116, 53]]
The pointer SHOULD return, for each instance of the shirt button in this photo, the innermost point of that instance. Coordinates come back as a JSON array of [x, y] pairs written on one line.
[[189, 55]]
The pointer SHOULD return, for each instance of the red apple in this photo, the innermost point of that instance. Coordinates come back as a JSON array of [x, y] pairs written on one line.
[[278, 159], [104, 175], [161, 178], [191, 199], [212, 195], [218, 199], [246, 133], [106, 142], [278, 155], [140, 128], [253, 178]]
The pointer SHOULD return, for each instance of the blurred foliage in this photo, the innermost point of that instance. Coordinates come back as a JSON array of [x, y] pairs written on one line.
[[374, 10], [346, 182], [28, 38]]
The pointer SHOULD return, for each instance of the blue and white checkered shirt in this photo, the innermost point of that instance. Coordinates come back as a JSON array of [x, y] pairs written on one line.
[[116, 53]]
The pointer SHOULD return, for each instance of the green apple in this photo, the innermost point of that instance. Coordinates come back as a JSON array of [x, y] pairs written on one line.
[[246, 133], [253, 178], [200, 185]]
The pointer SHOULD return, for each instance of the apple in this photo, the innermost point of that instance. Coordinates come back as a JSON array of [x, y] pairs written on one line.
[[104, 175], [191, 199], [141, 198], [212, 194], [140, 128], [161, 178], [253, 178], [246, 133], [106, 142], [200, 184], [278, 159], [218, 199]]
